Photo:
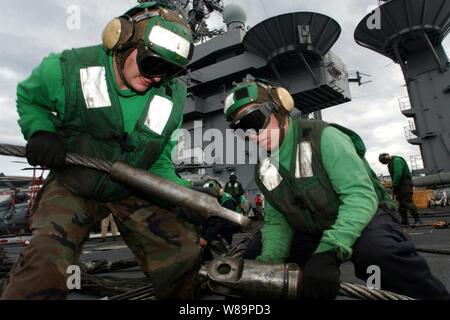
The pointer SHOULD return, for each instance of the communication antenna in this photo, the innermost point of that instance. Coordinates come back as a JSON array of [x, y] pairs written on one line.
[[197, 12], [359, 77]]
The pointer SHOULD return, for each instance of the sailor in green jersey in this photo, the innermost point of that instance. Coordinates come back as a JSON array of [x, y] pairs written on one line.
[[324, 204], [216, 227], [116, 101], [234, 188], [401, 185]]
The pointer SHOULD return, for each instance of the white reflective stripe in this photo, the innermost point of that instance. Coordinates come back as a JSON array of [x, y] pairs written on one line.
[[228, 102], [269, 175], [93, 85], [303, 167], [158, 114], [297, 163], [170, 41]]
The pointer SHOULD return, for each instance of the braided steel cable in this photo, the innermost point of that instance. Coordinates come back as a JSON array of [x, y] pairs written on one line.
[[71, 158], [10, 150], [110, 286], [361, 292], [237, 251], [144, 293], [88, 162]]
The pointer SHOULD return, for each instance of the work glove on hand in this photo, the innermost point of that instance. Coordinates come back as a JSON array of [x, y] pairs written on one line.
[[45, 149], [321, 277]]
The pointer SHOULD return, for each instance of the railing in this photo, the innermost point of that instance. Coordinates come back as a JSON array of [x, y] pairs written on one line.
[[416, 162], [404, 103], [409, 130]]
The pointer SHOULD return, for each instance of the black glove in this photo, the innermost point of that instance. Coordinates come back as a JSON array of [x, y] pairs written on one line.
[[45, 149], [321, 277]]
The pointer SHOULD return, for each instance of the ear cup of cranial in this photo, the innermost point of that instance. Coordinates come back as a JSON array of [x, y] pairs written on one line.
[[283, 98], [117, 32]]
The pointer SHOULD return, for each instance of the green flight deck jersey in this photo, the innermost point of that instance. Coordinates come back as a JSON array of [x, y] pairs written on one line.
[[75, 95], [399, 171], [323, 186]]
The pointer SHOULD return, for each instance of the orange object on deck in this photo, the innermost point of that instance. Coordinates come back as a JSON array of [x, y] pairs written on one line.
[[421, 198]]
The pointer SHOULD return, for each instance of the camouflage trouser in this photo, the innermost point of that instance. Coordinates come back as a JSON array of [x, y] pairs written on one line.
[[167, 249], [404, 195]]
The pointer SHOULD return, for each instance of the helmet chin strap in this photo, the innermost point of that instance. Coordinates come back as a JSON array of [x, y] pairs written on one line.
[[120, 57], [281, 117]]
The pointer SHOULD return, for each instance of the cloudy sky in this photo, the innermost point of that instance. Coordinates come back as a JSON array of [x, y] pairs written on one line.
[[32, 31]]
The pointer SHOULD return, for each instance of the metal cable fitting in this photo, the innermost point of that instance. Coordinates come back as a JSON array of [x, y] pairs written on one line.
[[9, 150]]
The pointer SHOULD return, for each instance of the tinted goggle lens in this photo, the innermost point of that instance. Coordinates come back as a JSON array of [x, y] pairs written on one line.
[[151, 65], [256, 118]]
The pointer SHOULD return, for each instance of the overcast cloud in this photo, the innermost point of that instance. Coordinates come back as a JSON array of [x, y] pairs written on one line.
[[30, 32]]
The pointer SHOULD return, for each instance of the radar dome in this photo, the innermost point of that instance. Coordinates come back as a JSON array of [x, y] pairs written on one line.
[[233, 14]]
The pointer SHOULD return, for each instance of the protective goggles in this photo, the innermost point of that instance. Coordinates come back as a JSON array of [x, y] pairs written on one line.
[[255, 118], [152, 65]]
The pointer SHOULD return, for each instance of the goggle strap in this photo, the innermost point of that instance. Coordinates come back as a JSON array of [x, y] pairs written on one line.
[[264, 86], [120, 63], [146, 15]]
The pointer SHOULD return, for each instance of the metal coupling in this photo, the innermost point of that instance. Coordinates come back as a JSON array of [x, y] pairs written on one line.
[[252, 279]]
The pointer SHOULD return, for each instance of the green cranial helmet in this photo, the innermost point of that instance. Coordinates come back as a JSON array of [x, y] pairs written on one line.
[[240, 96], [213, 188], [212, 184], [159, 32], [257, 91], [169, 36]]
